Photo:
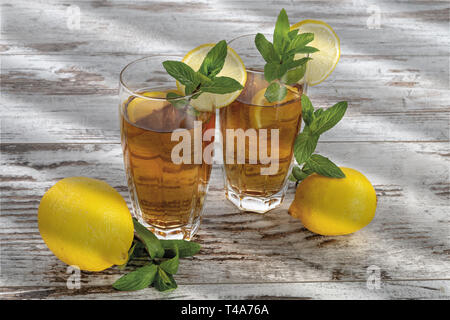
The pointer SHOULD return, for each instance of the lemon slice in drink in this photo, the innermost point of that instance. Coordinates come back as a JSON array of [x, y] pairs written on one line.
[[233, 68], [257, 119], [327, 41], [139, 108]]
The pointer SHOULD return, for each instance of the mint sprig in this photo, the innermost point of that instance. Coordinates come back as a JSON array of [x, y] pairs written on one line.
[[205, 79], [281, 68], [163, 257], [152, 243], [316, 122], [139, 279]]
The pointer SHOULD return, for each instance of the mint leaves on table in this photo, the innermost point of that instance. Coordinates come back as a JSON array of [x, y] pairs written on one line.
[[281, 70], [162, 261], [205, 79], [185, 248], [154, 247], [316, 123], [139, 279], [164, 281]]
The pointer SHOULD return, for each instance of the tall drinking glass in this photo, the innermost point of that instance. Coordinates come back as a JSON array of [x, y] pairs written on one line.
[[269, 130], [167, 195]]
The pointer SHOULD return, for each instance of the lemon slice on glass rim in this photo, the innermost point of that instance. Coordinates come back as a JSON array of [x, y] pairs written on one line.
[[233, 68], [326, 40]]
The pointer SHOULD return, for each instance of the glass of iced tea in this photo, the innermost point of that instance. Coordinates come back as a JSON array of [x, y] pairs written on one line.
[[167, 195], [265, 131]]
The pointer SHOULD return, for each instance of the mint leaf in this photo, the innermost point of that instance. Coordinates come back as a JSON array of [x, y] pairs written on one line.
[[304, 145], [175, 100], [188, 89], [171, 265], [299, 42], [265, 47], [275, 92], [292, 34], [294, 75], [318, 112], [183, 73], [139, 279], [222, 85], [329, 118], [214, 60], [202, 78], [307, 109], [324, 166], [297, 63], [306, 169], [152, 243], [284, 67], [299, 174], [306, 49], [173, 95], [185, 248], [140, 250], [164, 281], [280, 35], [271, 71]]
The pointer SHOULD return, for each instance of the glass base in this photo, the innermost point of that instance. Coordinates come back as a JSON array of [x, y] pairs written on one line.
[[255, 204], [180, 233]]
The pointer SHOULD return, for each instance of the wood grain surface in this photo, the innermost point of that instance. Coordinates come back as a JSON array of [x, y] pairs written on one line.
[[59, 118]]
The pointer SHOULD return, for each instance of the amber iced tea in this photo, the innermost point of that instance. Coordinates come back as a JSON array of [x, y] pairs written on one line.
[[245, 185], [167, 195]]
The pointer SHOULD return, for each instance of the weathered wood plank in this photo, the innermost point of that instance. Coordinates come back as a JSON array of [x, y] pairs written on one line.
[[408, 239], [94, 74], [94, 119], [74, 99], [437, 289], [59, 85], [365, 27]]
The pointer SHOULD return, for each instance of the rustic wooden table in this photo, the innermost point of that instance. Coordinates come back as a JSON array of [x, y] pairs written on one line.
[[60, 62]]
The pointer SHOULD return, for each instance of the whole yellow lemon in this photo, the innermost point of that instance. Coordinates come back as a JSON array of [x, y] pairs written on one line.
[[85, 222], [332, 206]]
